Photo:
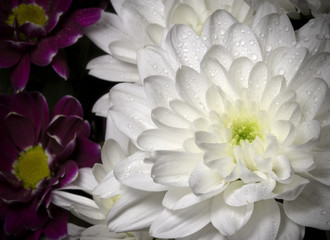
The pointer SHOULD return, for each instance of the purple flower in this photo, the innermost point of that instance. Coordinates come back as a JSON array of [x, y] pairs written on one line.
[[32, 31], [39, 153]]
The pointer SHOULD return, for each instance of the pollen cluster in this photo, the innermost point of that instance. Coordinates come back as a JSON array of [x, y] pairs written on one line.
[[32, 166]]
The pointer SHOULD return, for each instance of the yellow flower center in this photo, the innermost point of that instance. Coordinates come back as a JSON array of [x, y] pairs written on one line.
[[24, 13], [32, 166], [244, 129]]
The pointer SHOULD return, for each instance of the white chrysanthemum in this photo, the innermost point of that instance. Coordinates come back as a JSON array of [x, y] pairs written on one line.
[[103, 191], [140, 23], [233, 131]]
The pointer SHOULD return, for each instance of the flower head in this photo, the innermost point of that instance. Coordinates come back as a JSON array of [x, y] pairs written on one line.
[[234, 134], [34, 31], [138, 24], [40, 153], [103, 192]]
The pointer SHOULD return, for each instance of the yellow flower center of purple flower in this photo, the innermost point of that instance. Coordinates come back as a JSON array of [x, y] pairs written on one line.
[[244, 129], [24, 13], [32, 166]]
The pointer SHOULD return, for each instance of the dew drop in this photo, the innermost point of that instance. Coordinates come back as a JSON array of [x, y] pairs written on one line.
[[281, 71], [324, 212], [254, 57], [268, 48]]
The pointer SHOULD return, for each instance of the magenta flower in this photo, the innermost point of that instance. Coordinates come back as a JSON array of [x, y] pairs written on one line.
[[32, 31], [39, 153]]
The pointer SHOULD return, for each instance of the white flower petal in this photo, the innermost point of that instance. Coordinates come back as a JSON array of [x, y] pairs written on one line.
[[321, 171], [263, 8], [111, 154], [134, 211], [206, 233], [183, 43], [112, 131], [204, 180], [289, 191], [301, 161], [102, 106], [133, 23], [165, 117], [154, 61], [281, 169], [242, 42], [185, 110], [108, 187], [312, 35], [215, 27], [160, 90], [258, 79], [228, 219], [83, 207], [219, 76], [185, 14], [273, 87], [131, 118], [221, 54], [311, 207], [316, 66], [240, 71], [289, 229], [179, 198], [109, 68], [155, 33], [239, 194], [266, 214], [310, 96], [181, 223], [133, 172], [108, 29], [160, 139], [308, 132], [123, 50], [192, 87], [85, 181], [173, 168], [289, 111], [286, 61], [284, 132], [274, 31]]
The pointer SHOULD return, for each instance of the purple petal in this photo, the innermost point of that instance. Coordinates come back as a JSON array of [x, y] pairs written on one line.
[[12, 194], [86, 153], [52, 145], [21, 131], [42, 109], [45, 51], [13, 222], [35, 235], [54, 11], [68, 128], [8, 152], [32, 30], [67, 173], [33, 219], [23, 217], [9, 55], [64, 154], [88, 16], [69, 33], [21, 73], [56, 228], [26, 105], [68, 106], [60, 66]]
